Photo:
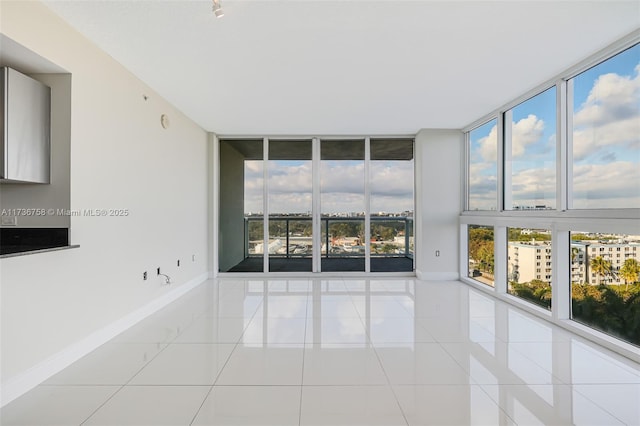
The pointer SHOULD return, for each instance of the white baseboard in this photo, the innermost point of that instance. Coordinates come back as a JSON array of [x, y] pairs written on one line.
[[437, 276], [23, 382]]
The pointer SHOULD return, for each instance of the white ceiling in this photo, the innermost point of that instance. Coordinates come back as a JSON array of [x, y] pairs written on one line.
[[346, 67]]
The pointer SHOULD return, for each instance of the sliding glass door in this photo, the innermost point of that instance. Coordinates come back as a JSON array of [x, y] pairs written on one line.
[[290, 206], [342, 204], [391, 183]]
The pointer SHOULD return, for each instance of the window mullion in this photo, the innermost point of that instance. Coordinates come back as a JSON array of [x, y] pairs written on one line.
[[265, 205], [367, 205], [504, 161]]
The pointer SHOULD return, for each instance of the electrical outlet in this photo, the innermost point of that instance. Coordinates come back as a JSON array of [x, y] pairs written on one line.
[[178, 263], [9, 221], [437, 253], [158, 270], [193, 257], [144, 275]]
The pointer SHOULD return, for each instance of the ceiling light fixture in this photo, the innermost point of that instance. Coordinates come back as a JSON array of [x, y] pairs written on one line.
[[217, 9]]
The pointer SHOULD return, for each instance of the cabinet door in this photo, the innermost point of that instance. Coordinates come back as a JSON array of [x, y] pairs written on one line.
[[26, 133]]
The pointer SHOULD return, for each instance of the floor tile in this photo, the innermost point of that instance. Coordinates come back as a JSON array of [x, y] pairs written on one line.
[[250, 406], [505, 366], [55, 405], [333, 330], [619, 400], [185, 364], [423, 363], [548, 405], [524, 327], [213, 330], [153, 330], [284, 306], [397, 330], [611, 368], [350, 405], [380, 306], [239, 307], [449, 405], [110, 364], [332, 307], [151, 406], [275, 330], [456, 331], [263, 365], [342, 365]]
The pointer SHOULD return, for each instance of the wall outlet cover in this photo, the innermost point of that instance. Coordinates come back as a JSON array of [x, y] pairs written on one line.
[[9, 221]]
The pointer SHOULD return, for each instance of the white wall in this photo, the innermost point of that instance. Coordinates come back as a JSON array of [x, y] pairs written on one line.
[[439, 177], [121, 158]]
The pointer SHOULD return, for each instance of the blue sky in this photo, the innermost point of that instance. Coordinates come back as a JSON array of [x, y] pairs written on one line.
[[606, 143]]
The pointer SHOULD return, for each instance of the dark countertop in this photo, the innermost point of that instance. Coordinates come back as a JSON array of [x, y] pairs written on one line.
[[28, 240], [45, 250]]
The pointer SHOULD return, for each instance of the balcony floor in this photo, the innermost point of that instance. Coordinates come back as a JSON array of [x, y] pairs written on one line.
[[343, 264]]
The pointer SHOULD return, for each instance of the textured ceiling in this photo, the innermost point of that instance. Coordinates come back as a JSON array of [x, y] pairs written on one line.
[[346, 67]]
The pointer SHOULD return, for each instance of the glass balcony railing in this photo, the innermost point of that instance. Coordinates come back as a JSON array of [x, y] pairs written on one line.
[[292, 237]]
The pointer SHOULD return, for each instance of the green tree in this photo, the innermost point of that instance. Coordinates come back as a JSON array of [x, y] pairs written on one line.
[[515, 234], [629, 272], [478, 237], [486, 257], [384, 233], [600, 266], [536, 291], [608, 308], [388, 248]]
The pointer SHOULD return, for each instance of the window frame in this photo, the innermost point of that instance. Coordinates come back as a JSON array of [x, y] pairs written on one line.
[[561, 221]]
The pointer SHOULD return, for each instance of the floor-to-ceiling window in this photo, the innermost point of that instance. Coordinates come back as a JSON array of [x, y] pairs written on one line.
[[290, 189], [530, 153], [481, 254], [529, 265], [316, 205], [391, 182], [566, 181], [482, 184], [342, 179]]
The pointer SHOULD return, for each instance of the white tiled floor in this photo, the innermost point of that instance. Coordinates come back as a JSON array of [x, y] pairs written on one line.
[[338, 352]]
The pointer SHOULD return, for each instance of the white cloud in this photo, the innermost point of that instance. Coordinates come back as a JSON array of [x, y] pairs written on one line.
[[613, 97], [597, 142], [525, 132], [342, 187], [609, 118], [288, 179], [254, 167], [392, 178], [613, 185], [488, 146], [339, 177], [534, 186], [482, 186]]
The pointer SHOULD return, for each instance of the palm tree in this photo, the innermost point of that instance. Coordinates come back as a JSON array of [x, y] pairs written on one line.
[[629, 271], [600, 266]]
